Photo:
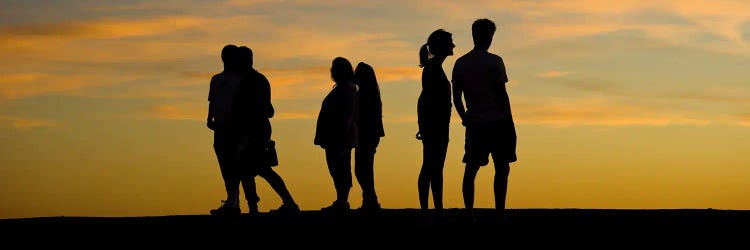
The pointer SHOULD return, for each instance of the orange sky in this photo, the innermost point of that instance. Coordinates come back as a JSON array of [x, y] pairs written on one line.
[[628, 104]]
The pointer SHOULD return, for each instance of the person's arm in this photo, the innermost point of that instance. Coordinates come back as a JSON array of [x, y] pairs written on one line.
[[210, 116], [457, 96], [265, 88], [502, 80]]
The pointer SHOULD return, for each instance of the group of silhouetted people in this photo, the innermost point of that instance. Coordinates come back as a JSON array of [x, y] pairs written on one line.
[[239, 110], [350, 119]]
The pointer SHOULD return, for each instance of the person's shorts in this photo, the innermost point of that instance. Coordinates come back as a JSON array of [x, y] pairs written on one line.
[[496, 138]]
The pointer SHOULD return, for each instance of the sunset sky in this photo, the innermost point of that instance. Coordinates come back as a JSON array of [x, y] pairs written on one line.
[[618, 104]]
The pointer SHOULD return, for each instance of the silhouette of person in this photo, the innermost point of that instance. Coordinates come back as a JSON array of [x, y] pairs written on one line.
[[433, 116], [223, 87], [480, 77], [254, 110], [336, 131], [370, 128]]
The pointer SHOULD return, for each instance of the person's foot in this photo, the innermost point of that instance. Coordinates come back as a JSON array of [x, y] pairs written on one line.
[[370, 207], [337, 207], [226, 209], [252, 208], [472, 215], [287, 209]]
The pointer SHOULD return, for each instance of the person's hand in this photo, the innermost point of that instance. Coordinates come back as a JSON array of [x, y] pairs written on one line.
[[210, 124]]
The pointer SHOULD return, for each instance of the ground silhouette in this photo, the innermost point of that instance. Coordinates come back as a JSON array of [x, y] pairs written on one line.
[[398, 228]]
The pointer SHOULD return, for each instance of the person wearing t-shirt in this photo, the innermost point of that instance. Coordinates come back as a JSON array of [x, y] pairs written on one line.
[[479, 77]]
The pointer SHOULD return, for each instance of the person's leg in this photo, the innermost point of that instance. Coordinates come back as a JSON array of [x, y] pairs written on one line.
[[247, 180], [503, 153], [470, 174], [345, 172], [247, 162], [363, 170], [223, 165], [476, 155], [251, 194], [223, 146], [502, 170], [425, 175], [440, 151], [277, 183], [339, 166]]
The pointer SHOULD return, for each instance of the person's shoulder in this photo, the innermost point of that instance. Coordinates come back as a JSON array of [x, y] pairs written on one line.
[[259, 75], [494, 56], [463, 57], [256, 72], [217, 77], [347, 88]]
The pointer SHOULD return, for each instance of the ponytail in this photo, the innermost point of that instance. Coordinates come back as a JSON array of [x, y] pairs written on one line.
[[424, 55]]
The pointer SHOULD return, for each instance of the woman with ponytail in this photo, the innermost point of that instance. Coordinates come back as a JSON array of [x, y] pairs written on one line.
[[433, 116]]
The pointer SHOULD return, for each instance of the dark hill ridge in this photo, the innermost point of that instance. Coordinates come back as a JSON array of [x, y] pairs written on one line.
[[524, 228]]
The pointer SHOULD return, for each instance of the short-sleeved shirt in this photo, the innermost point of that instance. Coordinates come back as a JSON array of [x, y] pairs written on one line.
[[222, 91], [434, 104], [481, 76], [252, 107], [336, 126]]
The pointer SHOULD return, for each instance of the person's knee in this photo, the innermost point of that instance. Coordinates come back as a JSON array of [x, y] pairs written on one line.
[[502, 167], [472, 169]]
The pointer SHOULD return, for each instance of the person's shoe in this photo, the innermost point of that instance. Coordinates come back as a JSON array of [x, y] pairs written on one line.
[[337, 207], [226, 209], [287, 209], [252, 208], [253, 212], [370, 207]]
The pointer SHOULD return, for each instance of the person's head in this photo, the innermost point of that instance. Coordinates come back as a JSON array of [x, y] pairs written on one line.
[[365, 76], [229, 56], [245, 57], [439, 44], [482, 31], [341, 70]]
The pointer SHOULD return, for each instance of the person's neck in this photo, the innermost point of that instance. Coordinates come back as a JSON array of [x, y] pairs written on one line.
[[482, 47], [438, 59]]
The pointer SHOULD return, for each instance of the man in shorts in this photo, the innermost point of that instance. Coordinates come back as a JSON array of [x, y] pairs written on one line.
[[480, 77]]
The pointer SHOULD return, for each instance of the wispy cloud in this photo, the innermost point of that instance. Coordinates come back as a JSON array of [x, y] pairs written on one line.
[[743, 119], [183, 111], [190, 111], [172, 54], [28, 84], [553, 74], [100, 29], [614, 90], [304, 82], [676, 22], [19, 85], [24, 123], [565, 112], [245, 3], [296, 115]]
